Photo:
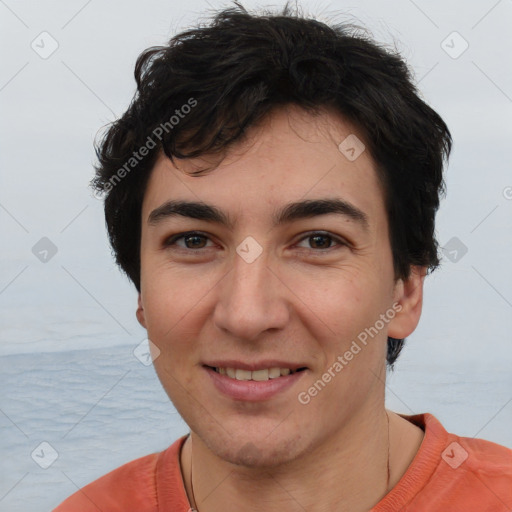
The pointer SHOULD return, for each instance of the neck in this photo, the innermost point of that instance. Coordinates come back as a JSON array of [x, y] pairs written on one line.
[[350, 471]]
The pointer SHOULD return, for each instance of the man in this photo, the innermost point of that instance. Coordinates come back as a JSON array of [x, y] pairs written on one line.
[[271, 192]]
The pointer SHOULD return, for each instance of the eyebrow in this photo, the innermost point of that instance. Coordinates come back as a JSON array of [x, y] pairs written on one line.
[[291, 212]]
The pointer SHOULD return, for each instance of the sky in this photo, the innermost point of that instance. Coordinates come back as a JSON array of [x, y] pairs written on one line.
[[67, 71]]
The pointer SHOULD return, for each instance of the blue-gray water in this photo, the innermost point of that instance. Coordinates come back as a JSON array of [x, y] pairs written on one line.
[[96, 408], [100, 408]]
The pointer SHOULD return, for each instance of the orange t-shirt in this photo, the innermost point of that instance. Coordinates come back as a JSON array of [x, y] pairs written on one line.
[[448, 474]]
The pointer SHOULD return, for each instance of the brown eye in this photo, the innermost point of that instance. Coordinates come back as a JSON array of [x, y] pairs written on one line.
[[322, 241], [192, 240]]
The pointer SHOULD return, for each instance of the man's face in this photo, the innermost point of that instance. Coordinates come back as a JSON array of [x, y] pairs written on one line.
[[259, 295]]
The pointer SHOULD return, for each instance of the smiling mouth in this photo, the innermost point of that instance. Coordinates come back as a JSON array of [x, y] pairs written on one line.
[[256, 375]]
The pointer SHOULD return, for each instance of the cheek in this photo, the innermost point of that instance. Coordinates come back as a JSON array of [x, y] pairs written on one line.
[[350, 308], [344, 301], [347, 308], [172, 297], [166, 323]]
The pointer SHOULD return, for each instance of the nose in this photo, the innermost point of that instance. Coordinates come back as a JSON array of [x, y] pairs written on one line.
[[251, 299]]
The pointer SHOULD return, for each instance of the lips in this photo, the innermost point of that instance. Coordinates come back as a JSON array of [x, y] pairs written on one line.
[[260, 371], [257, 375], [253, 382], [261, 365]]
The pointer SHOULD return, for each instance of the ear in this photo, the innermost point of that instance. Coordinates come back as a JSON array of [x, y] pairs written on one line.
[[408, 295], [140, 313]]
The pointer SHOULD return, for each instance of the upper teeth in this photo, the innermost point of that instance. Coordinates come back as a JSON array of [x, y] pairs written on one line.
[[266, 374]]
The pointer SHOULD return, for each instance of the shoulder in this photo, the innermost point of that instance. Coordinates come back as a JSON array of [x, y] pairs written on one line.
[[472, 474], [476, 473], [472, 454], [483, 458], [132, 486], [452, 473]]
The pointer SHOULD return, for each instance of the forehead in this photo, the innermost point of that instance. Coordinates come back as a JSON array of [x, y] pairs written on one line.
[[292, 155]]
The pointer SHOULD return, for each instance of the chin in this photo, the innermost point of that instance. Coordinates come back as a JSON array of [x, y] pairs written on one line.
[[258, 456], [254, 451]]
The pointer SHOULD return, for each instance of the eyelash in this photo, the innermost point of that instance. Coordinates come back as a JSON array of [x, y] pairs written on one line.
[[173, 239]]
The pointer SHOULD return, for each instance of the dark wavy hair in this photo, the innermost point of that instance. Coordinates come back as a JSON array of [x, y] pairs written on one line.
[[239, 67]]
